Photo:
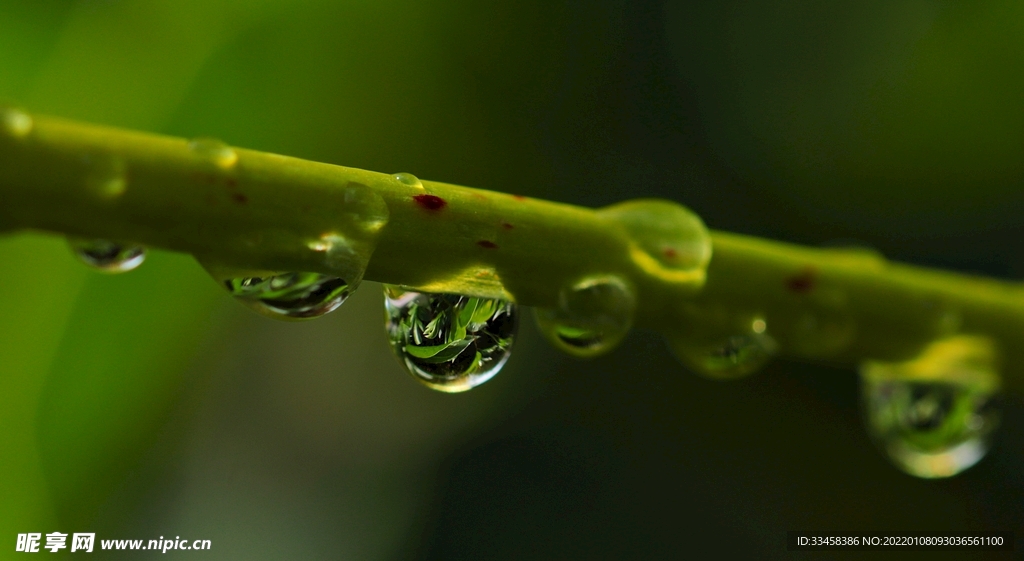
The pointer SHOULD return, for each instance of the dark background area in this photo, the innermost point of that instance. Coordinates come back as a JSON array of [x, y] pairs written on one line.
[[157, 407]]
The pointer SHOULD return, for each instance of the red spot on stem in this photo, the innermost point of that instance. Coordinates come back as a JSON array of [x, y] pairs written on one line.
[[803, 281], [670, 252], [430, 202], [507, 226], [239, 198], [519, 197], [486, 244]]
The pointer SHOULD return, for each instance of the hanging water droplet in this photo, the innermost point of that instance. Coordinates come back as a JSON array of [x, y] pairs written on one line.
[[107, 177], [592, 316], [408, 179], [16, 122], [669, 240], [108, 256], [934, 416], [214, 151], [727, 357], [449, 342], [290, 296]]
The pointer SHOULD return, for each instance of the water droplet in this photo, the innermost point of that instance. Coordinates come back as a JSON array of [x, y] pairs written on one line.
[[669, 240], [408, 179], [108, 256], [449, 342], [934, 416], [727, 357], [16, 122], [364, 208], [107, 177], [592, 316], [290, 296], [214, 151]]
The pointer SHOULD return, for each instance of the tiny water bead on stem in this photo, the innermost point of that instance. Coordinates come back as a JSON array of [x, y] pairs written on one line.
[[725, 302]]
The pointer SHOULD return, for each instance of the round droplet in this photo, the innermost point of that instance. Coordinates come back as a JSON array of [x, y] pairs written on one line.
[[214, 151], [108, 256], [669, 240], [727, 357], [364, 208], [934, 416], [408, 179], [449, 342], [290, 296], [16, 122], [592, 316]]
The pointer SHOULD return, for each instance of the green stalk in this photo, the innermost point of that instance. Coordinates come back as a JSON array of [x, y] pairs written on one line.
[[257, 211]]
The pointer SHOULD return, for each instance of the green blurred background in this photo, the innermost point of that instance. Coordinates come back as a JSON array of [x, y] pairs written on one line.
[[150, 405]]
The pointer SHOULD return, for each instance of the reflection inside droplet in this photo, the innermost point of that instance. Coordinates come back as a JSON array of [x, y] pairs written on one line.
[[727, 356], [449, 342], [592, 317], [108, 256], [291, 295], [934, 416]]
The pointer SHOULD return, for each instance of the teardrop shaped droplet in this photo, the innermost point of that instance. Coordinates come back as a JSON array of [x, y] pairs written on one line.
[[449, 342], [727, 357], [108, 256], [15, 122], [592, 316], [214, 151], [934, 416], [290, 296], [408, 179], [669, 241]]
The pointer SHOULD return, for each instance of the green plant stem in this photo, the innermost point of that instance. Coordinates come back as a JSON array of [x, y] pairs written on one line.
[[266, 212]]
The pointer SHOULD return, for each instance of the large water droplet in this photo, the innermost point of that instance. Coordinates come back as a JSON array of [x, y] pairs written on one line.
[[729, 356], [15, 122], [592, 316], [449, 342], [669, 240], [214, 151], [108, 256], [408, 179], [934, 416], [290, 296]]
